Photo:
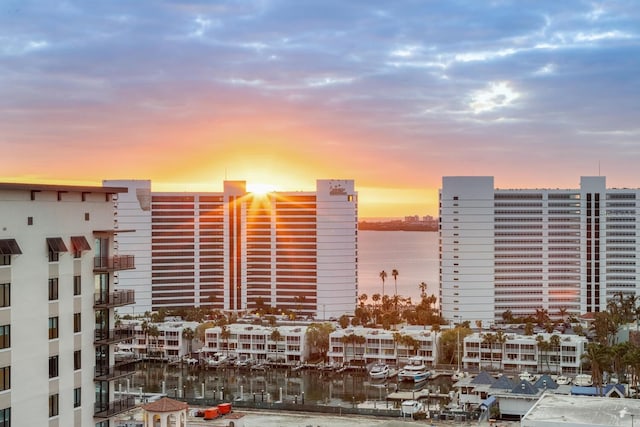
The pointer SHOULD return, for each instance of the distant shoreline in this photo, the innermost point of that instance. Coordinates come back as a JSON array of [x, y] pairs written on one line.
[[398, 225]]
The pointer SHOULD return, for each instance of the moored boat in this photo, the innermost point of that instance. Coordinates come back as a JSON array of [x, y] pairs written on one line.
[[563, 380], [379, 371], [583, 380], [415, 370]]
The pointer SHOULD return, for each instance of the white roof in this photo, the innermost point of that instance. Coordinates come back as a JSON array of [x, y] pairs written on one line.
[[557, 409]]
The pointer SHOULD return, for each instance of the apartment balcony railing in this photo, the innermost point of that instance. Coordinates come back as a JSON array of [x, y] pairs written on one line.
[[114, 408], [108, 373], [114, 299], [111, 336], [114, 263]]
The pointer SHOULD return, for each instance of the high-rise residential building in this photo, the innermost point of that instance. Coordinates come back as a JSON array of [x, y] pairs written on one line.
[[235, 250], [566, 251], [57, 300]]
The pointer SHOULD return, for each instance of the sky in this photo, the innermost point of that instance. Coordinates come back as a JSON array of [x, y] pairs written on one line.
[[393, 94]]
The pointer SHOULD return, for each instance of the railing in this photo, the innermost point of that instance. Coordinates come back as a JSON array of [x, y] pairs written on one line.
[[113, 408], [108, 373], [119, 262], [114, 299], [110, 336]]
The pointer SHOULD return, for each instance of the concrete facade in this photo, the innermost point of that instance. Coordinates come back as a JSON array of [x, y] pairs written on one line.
[[57, 265], [524, 250], [234, 250]]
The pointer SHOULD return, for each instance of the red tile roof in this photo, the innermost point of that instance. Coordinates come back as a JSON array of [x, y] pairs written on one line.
[[165, 405]]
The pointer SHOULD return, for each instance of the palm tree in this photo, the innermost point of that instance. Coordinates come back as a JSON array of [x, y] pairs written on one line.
[[188, 334], [489, 339], [154, 332], [276, 336], [423, 289], [501, 338], [225, 334], [395, 274], [383, 276], [598, 356], [555, 346], [363, 299]]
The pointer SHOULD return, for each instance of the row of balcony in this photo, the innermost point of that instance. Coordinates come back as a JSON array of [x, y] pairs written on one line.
[[106, 410], [108, 373], [114, 299], [113, 263]]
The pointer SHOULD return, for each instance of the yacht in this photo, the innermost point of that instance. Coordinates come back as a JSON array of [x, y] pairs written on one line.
[[415, 370], [527, 376], [563, 380], [217, 360], [379, 371], [410, 407]]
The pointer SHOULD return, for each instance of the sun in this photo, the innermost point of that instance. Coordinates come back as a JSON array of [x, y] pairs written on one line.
[[260, 188]]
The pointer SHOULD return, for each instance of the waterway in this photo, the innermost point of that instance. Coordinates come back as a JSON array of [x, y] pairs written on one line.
[[414, 254], [274, 384]]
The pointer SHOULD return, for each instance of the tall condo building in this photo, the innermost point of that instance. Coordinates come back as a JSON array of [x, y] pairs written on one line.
[[564, 251], [235, 250], [57, 300]]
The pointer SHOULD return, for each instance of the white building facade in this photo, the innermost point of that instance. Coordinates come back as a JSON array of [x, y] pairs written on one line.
[[539, 353], [258, 343], [57, 300], [234, 250], [524, 250]]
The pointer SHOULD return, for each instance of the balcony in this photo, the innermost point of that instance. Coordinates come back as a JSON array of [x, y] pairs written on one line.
[[108, 373], [114, 408], [112, 336], [114, 299], [114, 263]]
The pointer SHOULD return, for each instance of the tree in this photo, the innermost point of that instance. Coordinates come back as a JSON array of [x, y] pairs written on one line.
[[154, 332], [555, 345], [488, 340], [276, 336], [225, 334], [383, 277], [363, 299], [318, 337], [597, 355], [423, 289], [395, 274], [344, 321], [188, 335]]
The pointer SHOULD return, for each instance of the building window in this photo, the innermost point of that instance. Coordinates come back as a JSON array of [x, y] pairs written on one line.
[[77, 322], [5, 336], [53, 405], [5, 259], [77, 397], [5, 378], [77, 285], [53, 327], [53, 289], [5, 417], [53, 257], [53, 366], [77, 360], [29, 220], [5, 294]]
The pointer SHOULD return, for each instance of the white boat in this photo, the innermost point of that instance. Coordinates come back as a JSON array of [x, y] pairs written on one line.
[[583, 380], [410, 407], [379, 371], [217, 360], [415, 370], [527, 376], [563, 380]]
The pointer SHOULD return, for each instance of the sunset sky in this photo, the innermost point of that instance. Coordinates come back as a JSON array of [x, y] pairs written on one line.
[[392, 94]]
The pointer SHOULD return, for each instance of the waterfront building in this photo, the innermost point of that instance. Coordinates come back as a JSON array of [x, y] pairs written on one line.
[[364, 346], [237, 251], [562, 251], [57, 297], [524, 353], [282, 344], [168, 341]]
